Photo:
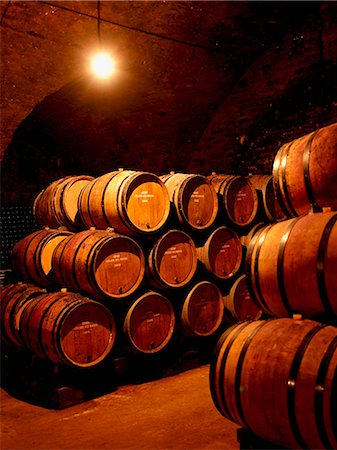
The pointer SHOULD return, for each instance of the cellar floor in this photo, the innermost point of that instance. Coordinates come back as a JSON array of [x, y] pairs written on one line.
[[175, 412]]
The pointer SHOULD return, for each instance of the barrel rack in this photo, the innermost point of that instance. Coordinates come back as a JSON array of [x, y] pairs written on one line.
[[57, 386]]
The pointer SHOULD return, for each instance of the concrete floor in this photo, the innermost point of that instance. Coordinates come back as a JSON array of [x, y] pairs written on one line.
[[176, 412]]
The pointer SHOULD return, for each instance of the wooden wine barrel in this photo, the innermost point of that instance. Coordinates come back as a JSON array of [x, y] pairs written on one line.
[[222, 253], [278, 379], [193, 198], [130, 202], [67, 328], [57, 205], [149, 323], [245, 239], [304, 172], [12, 305], [237, 198], [100, 263], [269, 205], [32, 256], [239, 304], [172, 261], [203, 310], [291, 266], [6, 293]]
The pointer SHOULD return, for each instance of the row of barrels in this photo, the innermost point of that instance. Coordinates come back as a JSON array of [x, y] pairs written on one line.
[[67, 328], [290, 268], [142, 203], [105, 264], [131, 202]]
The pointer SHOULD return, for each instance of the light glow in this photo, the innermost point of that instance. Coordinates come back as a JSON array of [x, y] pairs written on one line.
[[103, 65]]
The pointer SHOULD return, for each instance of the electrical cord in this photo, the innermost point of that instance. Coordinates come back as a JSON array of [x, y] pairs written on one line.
[[138, 30]]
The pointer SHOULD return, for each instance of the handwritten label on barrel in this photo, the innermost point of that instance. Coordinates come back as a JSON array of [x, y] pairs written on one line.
[[240, 195], [173, 252], [196, 196], [116, 259], [144, 196], [222, 248], [86, 327]]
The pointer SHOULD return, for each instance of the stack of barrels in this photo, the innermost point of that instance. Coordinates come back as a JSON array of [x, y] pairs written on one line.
[[161, 255], [278, 377]]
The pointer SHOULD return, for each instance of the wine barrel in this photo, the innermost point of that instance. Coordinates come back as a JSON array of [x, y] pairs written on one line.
[[6, 293], [239, 304], [66, 328], [13, 304], [221, 254], [278, 379], [304, 172], [291, 266], [203, 310], [131, 202], [149, 323], [57, 205], [245, 239], [268, 203], [172, 261], [32, 256], [193, 198], [237, 198], [101, 263]]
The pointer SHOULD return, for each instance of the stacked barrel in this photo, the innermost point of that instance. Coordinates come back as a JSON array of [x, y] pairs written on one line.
[[161, 254], [278, 377]]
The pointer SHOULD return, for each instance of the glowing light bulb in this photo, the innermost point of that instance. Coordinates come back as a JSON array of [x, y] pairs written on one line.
[[102, 65]]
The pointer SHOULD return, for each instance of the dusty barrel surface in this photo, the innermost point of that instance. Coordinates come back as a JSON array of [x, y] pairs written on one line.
[[268, 202], [100, 263], [57, 205], [172, 261], [305, 172], [32, 256], [291, 266], [68, 328], [149, 323], [131, 202], [13, 302], [239, 304], [203, 309], [290, 399], [221, 254], [237, 198], [194, 199]]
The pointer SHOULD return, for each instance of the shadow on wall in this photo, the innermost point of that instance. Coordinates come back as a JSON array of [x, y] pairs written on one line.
[[93, 128]]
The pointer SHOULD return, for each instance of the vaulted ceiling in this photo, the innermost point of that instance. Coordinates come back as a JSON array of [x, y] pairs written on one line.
[[200, 86]]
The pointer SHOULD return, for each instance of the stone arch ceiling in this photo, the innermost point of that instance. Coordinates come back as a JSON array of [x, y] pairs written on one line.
[[199, 84]]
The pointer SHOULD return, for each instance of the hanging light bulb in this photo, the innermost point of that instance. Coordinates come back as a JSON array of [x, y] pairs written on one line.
[[102, 64]]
